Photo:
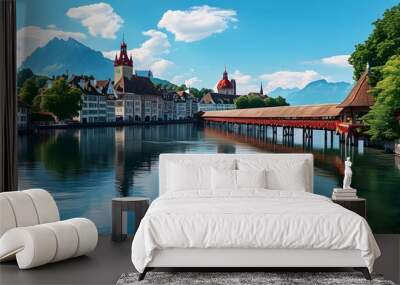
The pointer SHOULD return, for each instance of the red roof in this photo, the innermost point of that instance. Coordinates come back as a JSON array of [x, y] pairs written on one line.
[[305, 111], [123, 58], [359, 96], [224, 83]]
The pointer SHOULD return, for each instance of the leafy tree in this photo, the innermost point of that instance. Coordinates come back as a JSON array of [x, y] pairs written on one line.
[[256, 101], [181, 88], [274, 102], [36, 103], [383, 43], [205, 91], [382, 117], [40, 80], [242, 102], [62, 100], [29, 90], [23, 75], [194, 91]]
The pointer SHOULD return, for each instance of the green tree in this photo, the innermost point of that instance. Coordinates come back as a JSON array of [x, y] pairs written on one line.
[[23, 75], [383, 43], [242, 102], [256, 101], [29, 91], [62, 100], [381, 119], [194, 91], [181, 88], [205, 91], [275, 102], [36, 103]]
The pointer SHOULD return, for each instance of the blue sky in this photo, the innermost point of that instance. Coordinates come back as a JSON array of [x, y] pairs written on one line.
[[284, 43]]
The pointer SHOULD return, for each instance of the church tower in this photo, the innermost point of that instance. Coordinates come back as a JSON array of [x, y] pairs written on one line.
[[226, 86], [261, 90], [123, 66]]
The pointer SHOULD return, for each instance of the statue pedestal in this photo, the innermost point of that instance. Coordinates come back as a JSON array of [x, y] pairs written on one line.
[[344, 194]]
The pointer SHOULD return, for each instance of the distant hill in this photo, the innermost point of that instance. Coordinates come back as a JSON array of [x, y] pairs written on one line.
[[59, 56], [156, 80], [316, 92], [283, 92]]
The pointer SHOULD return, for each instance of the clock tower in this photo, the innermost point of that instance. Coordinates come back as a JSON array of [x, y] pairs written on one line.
[[123, 65]]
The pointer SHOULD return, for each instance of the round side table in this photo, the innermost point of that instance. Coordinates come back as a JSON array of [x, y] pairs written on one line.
[[120, 207]]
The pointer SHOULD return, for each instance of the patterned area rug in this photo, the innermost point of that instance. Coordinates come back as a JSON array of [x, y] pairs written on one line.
[[243, 278]]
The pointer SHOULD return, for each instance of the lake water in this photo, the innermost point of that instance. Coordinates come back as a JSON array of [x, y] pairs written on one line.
[[84, 169]]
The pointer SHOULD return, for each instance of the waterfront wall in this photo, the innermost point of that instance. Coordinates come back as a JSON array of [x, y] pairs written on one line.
[[105, 124]]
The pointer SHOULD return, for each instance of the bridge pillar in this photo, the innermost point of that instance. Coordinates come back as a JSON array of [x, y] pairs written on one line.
[[274, 134], [288, 135], [307, 137]]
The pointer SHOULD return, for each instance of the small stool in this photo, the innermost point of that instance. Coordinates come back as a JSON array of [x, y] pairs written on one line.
[[120, 207]]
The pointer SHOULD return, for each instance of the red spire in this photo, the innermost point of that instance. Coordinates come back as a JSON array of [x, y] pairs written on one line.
[[123, 56]]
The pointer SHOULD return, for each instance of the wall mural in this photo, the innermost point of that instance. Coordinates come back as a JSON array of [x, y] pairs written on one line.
[[105, 87]]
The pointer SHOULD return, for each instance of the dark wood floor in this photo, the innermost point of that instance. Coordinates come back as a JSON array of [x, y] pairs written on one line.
[[103, 266], [110, 260]]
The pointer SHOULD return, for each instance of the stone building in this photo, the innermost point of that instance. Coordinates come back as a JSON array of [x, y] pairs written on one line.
[[138, 100], [23, 115], [105, 87], [94, 104]]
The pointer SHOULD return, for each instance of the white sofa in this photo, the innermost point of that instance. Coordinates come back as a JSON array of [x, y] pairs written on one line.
[[31, 231]]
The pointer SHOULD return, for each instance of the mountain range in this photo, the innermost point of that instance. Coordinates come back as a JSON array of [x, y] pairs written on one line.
[[316, 92], [59, 56]]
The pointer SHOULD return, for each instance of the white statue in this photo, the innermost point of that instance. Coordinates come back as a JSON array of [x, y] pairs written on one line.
[[347, 174]]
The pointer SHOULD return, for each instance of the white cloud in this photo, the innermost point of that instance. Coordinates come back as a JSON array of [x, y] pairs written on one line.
[[189, 78], [289, 79], [197, 23], [178, 79], [30, 38], [100, 19], [241, 78], [245, 83], [160, 66], [192, 82], [337, 60], [52, 26], [149, 54]]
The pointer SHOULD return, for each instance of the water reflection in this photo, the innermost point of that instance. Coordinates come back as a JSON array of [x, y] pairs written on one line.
[[85, 169]]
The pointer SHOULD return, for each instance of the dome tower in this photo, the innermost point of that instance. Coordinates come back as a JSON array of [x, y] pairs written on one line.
[[225, 86]]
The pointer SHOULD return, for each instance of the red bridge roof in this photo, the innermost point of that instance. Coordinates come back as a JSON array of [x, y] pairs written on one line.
[[359, 96], [306, 111]]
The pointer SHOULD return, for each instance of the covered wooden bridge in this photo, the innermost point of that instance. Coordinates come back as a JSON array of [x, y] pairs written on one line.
[[343, 119]]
